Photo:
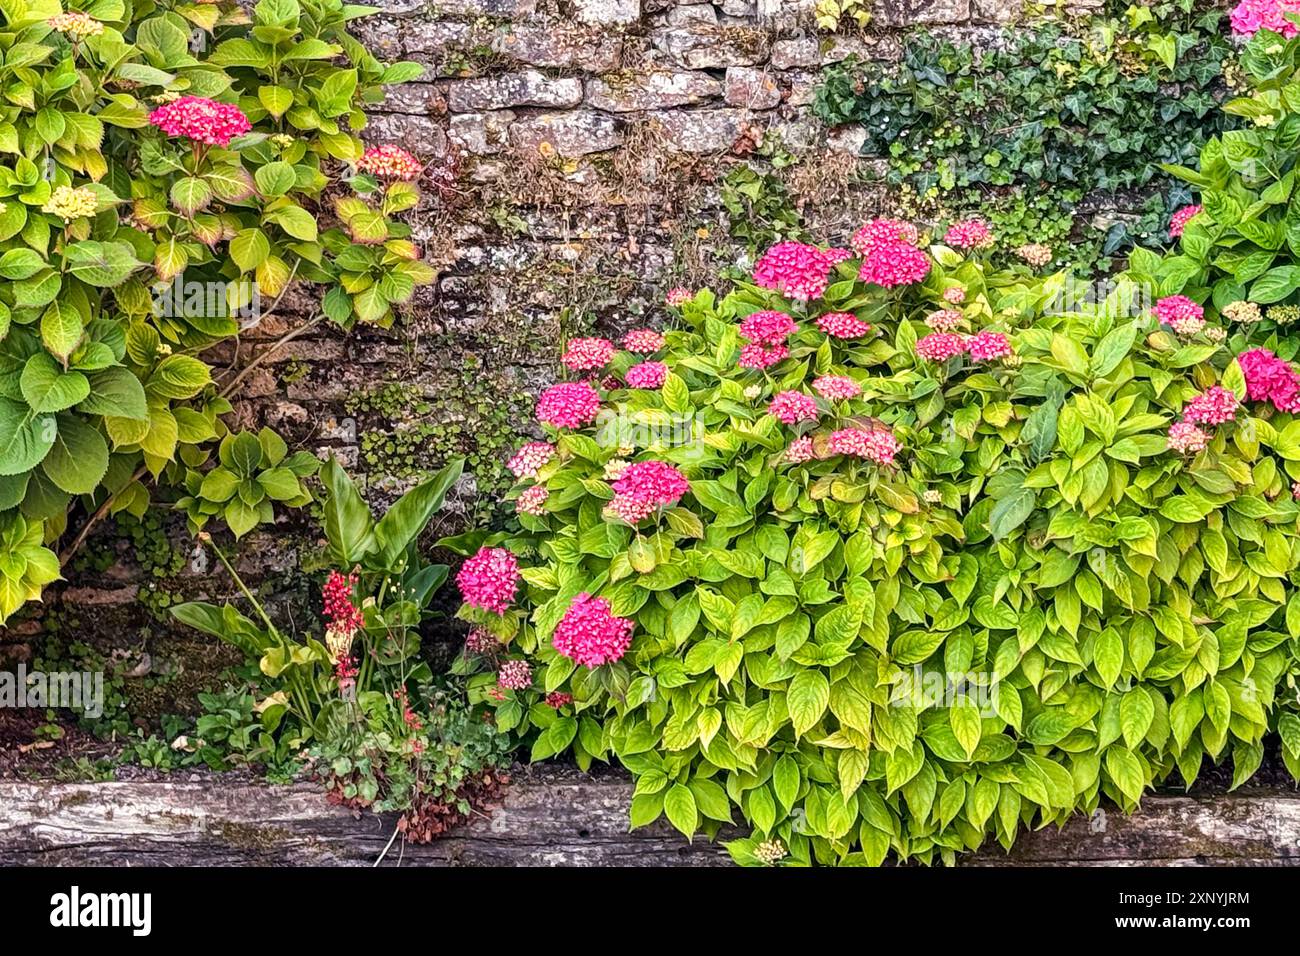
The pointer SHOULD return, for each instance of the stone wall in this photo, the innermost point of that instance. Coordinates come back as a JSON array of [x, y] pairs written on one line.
[[579, 145]]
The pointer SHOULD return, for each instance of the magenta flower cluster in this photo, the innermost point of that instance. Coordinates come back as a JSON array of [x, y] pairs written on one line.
[[766, 332], [1270, 379], [201, 119], [489, 579], [1180, 313], [590, 634], [835, 387], [644, 487], [585, 355], [568, 405], [878, 444], [843, 325], [643, 341], [792, 407], [1250, 16], [647, 375], [882, 232], [1178, 222], [940, 346], [797, 270], [1214, 406]]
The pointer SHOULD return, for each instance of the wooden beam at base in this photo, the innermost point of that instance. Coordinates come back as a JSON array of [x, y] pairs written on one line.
[[549, 817]]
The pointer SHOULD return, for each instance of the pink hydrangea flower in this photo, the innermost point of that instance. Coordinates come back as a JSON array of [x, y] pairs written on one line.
[[792, 407], [940, 346], [796, 270], [800, 450], [954, 295], [1269, 378], [643, 341], [529, 459], [894, 264], [201, 119], [481, 641], [489, 579], [835, 387], [1185, 438], [755, 356], [678, 296], [1179, 220], [390, 162], [768, 327], [1180, 313], [1214, 406], [647, 375], [568, 405], [843, 325], [1250, 16], [532, 500], [986, 346], [878, 444], [969, 234], [515, 675], [945, 320], [590, 634], [882, 232], [584, 355], [654, 481], [1295, 490]]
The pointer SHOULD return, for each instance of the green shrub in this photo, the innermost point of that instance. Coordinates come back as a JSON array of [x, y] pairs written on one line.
[[101, 212]]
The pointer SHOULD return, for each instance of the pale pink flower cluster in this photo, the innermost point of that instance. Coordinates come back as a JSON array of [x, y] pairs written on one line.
[[489, 579], [1214, 406], [843, 325], [532, 500], [647, 375], [644, 487], [835, 387], [878, 444], [969, 234], [515, 675], [201, 119], [797, 270], [643, 341], [481, 641], [882, 232], [76, 25], [529, 459], [1180, 313], [940, 346], [800, 450], [954, 295], [678, 296], [792, 407], [1179, 220], [590, 634], [945, 320], [894, 264], [390, 162], [1250, 16], [1185, 438], [1269, 378], [584, 355], [568, 405], [987, 346]]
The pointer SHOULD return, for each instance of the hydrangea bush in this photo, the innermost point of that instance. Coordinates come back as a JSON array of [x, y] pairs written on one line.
[[899, 554], [132, 158]]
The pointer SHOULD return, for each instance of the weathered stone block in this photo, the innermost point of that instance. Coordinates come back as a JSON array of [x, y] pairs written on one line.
[[906, 13], [502, 90], [483, 134], [651, 91], [595, 51], [997, 11], [701, 131], [422, 135], [480, 8], [607, 11], [752, 89], [694, 13], [702, 48], [419, 98], [570, 134]]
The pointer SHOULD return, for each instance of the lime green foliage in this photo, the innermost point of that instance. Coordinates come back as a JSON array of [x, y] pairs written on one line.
[[832, 14], [1053, 111], [101, 383], [252, 472], [760, 210]]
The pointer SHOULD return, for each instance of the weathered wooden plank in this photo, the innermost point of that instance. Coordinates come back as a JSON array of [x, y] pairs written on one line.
[[550, 816]]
